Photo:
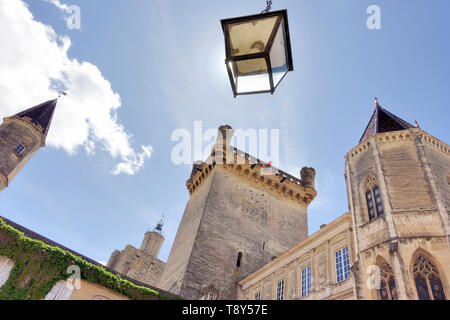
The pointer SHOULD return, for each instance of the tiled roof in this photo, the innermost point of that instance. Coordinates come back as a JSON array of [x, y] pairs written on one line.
[[384, 121], [41, 114]]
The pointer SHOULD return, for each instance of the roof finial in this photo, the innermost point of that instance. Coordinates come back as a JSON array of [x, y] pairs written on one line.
[[417, 124], [376, 102], [160, 224]]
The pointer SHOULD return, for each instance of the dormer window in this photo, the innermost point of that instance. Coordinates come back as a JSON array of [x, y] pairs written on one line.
[[19, 149]]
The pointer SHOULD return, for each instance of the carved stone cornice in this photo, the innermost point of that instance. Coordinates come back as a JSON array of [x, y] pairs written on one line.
[[272, 179], [397, 137], [437, 144], [359, 149]]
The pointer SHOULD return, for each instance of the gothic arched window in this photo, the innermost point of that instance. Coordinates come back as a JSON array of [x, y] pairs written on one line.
[[373, 198], [388, 289], [427, 279]]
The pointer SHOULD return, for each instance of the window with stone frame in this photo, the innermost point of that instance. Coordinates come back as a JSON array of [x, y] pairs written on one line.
[[306, 281], [342, 265], [373, 198], [19, 149], [388, 288], [427, 279], [280, 290]]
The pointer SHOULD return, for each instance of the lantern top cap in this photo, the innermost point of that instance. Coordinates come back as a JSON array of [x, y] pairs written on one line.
[[255, 17]]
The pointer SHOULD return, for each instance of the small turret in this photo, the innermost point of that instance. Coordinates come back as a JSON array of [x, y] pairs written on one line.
[[308, 176], [153, 240]]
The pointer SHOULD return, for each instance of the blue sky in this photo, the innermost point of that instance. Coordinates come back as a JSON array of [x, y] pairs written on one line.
[[165, 59]]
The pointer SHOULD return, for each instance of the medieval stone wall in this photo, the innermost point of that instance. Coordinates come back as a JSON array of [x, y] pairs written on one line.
[[439, 156], [172, 279], [138, 265], [239, 216]]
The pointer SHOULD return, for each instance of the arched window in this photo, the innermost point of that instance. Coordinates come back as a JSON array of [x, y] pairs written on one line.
[[427, 279], [388, 289], [373, 197]]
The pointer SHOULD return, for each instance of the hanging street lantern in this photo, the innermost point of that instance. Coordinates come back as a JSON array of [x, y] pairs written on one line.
[[258, 51]]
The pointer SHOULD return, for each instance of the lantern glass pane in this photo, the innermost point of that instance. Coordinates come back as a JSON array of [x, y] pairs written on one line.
[[278, 56], [250, 36], [250, 75]]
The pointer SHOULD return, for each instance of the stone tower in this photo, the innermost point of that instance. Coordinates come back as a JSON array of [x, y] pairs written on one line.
[[241, 214], [141, 264], [21, 136], [398, 185]]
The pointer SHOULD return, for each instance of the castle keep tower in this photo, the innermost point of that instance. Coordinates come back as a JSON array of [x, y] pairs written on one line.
[[398, 185], [241, 214], [141, 264], [21, 136]]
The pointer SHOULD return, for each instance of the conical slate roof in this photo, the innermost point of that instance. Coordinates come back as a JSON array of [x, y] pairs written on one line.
[[41, 114], [384, 121]]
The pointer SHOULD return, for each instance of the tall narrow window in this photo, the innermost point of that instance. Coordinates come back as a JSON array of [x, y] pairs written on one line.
[[239, 259], [374, 203], [370, 206], [306, 281], [428, 280], [280, 290], [378, 203], [342, 265], [388, 289], [258, 296]]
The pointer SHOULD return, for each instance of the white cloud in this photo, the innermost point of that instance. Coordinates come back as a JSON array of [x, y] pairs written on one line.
[[58, 4], [34, 67]]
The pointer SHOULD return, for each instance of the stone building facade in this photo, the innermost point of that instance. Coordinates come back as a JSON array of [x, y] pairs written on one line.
[[398, 190], [308, 271]]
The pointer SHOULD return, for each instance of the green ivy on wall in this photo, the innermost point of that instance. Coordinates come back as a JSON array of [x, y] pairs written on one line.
[[38, 267]]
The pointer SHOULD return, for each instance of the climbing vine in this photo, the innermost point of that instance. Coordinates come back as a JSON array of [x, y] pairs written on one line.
[[38, 267]]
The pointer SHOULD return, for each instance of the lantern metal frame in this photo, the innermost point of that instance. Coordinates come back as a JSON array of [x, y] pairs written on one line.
[[282, 17]]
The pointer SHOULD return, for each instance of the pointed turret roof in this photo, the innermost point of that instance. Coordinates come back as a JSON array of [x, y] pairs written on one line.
[[41, 114], [384, 121]]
